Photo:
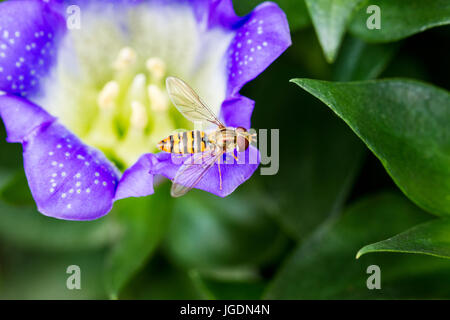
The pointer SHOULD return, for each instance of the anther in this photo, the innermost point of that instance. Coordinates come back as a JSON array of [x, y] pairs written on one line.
[[106, 98], [125, 58], [139, 117], [158, 99], [137, 89], [156, 67]]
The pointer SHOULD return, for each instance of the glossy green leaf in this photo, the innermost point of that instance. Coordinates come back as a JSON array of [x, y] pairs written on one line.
[[207, 232], [295, 10], [359, 60], [405, 124], [324, 266], [400, 20], [144, 222], [330, 19], [432, 238]]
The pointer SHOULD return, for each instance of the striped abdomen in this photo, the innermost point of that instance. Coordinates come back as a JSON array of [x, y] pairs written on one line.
[[184, 142]]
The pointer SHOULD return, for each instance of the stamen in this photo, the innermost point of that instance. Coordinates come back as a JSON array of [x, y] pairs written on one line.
[[125, 59], [137, 90], [106, 98], [139, 117], [156, 67], [158, 99]]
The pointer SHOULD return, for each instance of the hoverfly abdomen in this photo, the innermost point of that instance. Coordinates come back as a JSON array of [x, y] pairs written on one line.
[[186, 142]]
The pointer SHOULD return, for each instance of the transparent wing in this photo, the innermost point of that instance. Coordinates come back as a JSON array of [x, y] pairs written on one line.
[[192, 171], [189, 103]]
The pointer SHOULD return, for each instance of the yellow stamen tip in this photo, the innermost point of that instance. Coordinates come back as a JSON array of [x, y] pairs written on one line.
[[158, 98], [107, 96], [156, 67], [139, 117], [125, 58]]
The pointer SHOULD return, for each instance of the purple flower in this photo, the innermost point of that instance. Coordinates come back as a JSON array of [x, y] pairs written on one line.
[[86, 100]]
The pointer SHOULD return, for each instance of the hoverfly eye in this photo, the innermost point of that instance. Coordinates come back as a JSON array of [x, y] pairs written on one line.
[[240, 130], [242, 143]]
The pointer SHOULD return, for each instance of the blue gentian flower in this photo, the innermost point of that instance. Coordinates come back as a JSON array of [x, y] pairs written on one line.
[[89, 103]]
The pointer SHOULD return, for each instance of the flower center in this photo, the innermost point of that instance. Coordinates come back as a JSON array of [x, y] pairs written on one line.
[[133, 110], [108, 85]]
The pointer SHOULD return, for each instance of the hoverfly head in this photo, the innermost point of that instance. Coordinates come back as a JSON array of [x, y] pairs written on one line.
[[243, 139]]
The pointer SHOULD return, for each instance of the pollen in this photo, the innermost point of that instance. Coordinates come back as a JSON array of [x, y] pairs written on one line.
[[158, 98], [156, 67], [125, 59], [139, 117]]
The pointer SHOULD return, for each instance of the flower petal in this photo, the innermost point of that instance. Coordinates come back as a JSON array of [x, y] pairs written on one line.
[[237, 112], [21, 117], [68, 179], [233, 174], [259, 41], [214, 13], [136, 180], [29, 33]]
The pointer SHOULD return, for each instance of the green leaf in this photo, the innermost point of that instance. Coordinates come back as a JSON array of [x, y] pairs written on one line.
[[38, 232], [432, 238], [405, 124], [15, 190], [359, 60], [43, 276], [400, 20], [24, 226], [10, 153], [296, 11], [324, 266], [330, 19], [160, 280], [319, 157], [144, 222], [245, 289], [5, 178], [207, 232]]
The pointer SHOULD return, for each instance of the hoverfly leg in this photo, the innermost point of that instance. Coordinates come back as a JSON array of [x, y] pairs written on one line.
[[220, 174]]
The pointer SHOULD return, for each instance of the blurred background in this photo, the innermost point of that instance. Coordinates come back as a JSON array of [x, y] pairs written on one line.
[[293, 235]]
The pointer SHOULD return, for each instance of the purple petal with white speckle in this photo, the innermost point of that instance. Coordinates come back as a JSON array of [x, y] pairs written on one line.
[[68, 179], [258, 42], [29, 33]]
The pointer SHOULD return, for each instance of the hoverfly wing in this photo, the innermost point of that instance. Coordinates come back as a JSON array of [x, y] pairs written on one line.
[[187, 101], [192, 171]]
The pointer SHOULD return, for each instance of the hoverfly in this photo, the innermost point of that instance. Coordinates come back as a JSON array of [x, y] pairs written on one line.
[[206, 149]]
